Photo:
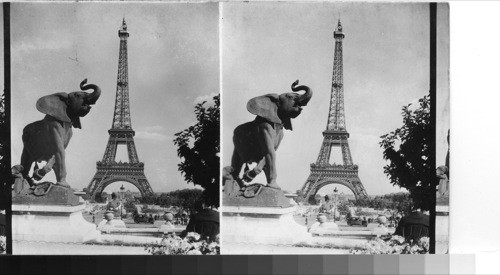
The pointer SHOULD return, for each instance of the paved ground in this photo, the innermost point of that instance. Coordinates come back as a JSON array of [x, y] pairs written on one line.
[[275, 249], [128, 222], [342, 224], [44, 248]]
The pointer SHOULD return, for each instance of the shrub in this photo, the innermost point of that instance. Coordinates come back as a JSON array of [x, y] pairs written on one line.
[[394, 245], [192, 244]]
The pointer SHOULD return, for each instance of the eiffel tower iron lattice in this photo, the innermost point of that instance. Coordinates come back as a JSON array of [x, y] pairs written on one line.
[[121, 133], [322, 171]]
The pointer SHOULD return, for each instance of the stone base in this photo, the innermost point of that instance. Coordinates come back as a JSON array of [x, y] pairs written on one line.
[[51, 223], [267, 197], [105, 225], [261, 225], [442, 229], [326, 228], [54, 195], [158, 224], [380, 231], [167, 227]]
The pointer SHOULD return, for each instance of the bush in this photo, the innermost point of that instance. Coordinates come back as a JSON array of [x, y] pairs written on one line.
[[394, 245], [192, 244], [3, 244]]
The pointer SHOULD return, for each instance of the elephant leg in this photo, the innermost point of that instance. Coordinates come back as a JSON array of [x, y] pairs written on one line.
[[267, 142], [26, 163], [237, 164], [59, 157], [38, 174], [270, 172], [251, 174]]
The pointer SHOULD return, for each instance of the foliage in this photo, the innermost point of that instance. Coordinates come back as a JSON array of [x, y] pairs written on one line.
[[5, 174], [394, 245], [129, 206], [3, 244], [360, 213], [343, 207], [329, 245], [198, 146], [192, 244], [149, 199], [407, 150], [185, 198], [401, 202], [318, 198]]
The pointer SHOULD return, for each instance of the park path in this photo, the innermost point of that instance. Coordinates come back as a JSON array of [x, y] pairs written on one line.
[[46, 248], [251, 249]]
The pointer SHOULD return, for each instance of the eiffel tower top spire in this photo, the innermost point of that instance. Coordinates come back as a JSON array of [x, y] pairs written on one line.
[[121, 118], [336, 115]]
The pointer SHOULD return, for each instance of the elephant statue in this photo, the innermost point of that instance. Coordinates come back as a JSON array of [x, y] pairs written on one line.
[[47, 139], [256, 141]]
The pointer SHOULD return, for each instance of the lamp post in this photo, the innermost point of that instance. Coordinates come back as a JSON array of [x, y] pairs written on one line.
[[335, 204], [121, 202]]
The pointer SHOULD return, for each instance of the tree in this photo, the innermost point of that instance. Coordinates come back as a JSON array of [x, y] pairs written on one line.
[[129, 206], [318, 198], [185, 198], [198, 147], [149, 199], [343, 207], [5, 174], [407, 151]]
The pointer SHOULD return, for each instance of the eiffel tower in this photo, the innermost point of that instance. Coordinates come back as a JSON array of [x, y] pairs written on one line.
[[108, 170], [323, 172]]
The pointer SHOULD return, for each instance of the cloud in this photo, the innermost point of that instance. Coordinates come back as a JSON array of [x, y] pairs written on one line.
[[39, 44], [207, 98], [153, 133], [150, 136], [156, 128]]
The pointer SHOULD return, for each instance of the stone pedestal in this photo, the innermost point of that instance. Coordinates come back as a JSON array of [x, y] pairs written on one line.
[[261, 225], [158, 224], [105, 225], [50, 213], [51, 223], [442, 228], [167, 227], [326, 228], [380, 231]]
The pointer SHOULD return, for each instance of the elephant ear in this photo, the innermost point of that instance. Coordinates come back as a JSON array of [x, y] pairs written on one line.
[[54, 105], [265, 106]]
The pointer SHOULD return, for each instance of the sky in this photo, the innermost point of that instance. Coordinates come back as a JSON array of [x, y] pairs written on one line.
[[267, 46], [173, 61], [174, 58]]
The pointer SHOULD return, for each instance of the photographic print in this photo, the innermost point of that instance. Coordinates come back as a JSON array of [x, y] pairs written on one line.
[[327, 127], [115, 128], [4, 147]]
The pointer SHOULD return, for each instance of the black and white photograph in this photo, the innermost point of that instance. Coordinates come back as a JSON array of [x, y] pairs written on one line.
[[327, 130], [4, 146], [115, 128], [314, 131]]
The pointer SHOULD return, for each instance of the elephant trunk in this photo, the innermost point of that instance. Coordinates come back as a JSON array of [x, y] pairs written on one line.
[[94, 96], [303, 99]]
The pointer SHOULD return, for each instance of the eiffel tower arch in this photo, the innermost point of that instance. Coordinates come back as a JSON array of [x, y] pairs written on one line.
[[121, 133], [322, 171], [313, 185]]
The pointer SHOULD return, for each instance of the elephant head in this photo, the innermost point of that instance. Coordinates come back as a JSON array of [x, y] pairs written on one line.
[[70, 107], [281, 108]]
